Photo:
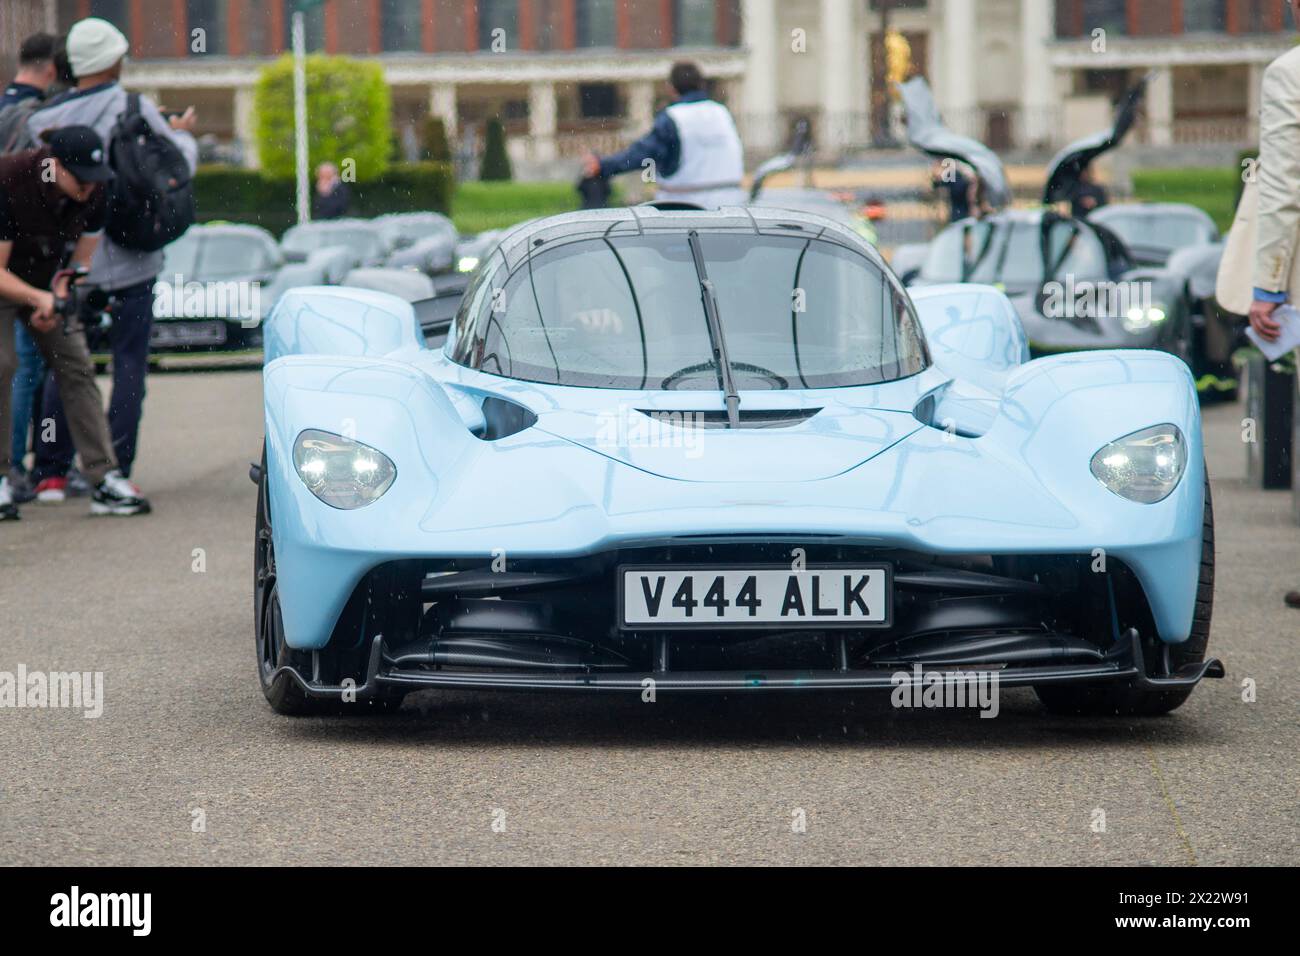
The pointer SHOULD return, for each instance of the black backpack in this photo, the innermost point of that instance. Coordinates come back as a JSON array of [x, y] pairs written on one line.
[[14, 134], [151, 200]]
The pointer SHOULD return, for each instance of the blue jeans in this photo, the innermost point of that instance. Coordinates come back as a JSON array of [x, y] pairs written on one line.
[[129, 335], [27, 386]]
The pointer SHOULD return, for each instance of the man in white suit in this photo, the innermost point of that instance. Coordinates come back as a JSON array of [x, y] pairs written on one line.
[[1260, 268]]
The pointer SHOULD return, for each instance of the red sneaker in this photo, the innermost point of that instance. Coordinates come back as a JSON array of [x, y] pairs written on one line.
[[52, 490]]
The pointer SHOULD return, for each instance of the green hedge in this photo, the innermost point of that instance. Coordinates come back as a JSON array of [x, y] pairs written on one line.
[[1212, 189], [242, 195]]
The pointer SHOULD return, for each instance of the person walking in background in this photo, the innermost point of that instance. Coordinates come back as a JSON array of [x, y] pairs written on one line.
[[1260, 269], [96, 50], [36, 71], [333, 198], [1088, 194], [947, 176], [694, 148]]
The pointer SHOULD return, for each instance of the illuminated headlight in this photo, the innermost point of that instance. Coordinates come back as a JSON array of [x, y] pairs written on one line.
[[1145, 466], [1138, 319], [467, 263], [341, 472]]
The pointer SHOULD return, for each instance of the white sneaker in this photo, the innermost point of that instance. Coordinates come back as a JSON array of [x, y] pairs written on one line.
[[8, 510], [117, 496]]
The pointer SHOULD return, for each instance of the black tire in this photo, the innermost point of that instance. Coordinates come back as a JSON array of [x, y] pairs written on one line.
[[1216, 377], [1130, 699], [282, 692]]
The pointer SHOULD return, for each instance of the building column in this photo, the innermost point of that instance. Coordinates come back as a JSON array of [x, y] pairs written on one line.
[[246, 126], [759, 117], [960, 98], [640, 107], [837, 87], [1254, 94], [1037, 84], [1160, 107], [541, 121], [442, 103]]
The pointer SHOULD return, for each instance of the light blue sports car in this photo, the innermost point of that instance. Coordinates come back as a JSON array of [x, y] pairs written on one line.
[[720, 451]]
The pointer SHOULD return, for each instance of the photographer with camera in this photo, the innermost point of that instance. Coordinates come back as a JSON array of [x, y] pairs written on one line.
[[52, 209], [154, 158]]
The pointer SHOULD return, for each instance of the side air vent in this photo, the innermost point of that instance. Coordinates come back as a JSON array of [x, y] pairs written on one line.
[[504, 418], [756, 418]]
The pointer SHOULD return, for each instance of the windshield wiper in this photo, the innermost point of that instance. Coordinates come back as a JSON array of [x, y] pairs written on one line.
[[725, 379]]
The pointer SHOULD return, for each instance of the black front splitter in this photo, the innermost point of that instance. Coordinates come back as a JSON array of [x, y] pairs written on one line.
[[1124, 662]]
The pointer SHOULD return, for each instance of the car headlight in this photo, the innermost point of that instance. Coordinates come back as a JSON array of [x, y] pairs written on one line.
[[1138, 319], [341, 472], [467, 263], [1145, 466]]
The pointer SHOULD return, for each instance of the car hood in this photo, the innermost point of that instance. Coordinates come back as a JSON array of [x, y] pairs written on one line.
[[926, 131], [806, 438], [1066, 166]]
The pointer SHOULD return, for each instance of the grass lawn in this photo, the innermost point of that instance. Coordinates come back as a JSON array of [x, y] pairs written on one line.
[[1214, 190], [477, 206]]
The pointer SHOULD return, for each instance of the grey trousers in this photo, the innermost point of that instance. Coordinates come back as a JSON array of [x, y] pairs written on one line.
[[69, 358]]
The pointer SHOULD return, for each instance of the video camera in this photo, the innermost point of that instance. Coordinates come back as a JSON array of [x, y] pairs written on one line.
[[83, 306]]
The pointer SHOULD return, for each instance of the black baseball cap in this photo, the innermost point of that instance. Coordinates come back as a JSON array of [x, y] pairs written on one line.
[[81, 152]]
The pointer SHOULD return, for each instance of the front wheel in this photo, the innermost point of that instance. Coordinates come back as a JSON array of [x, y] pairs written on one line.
[[1135, 700], [282, 691]]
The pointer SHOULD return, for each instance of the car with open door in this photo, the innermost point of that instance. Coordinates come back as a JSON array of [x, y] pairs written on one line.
[[1075, 283]]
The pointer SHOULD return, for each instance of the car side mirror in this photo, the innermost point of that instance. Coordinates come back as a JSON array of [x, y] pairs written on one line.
[[294, 255]]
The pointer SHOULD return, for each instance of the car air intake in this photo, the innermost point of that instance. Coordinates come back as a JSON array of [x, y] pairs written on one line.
[[755, 418]]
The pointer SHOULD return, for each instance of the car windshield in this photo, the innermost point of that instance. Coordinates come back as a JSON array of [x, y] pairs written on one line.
[[1160, 230], [209, 256], [410, 230], [364, 241], [627, 312], [997, 251]]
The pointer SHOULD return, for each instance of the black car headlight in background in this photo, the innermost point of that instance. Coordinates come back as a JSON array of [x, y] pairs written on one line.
[[343, 473], [1145, 466]]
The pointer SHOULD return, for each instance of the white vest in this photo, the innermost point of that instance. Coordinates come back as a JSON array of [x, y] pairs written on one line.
[[712, 162]]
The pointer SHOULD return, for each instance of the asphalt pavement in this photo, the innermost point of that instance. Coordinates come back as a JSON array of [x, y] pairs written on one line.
[[188, 765]]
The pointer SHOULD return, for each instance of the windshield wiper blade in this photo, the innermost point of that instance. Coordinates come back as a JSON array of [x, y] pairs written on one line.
[[710, 299]]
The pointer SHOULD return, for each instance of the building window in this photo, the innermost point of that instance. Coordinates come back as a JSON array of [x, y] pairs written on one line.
[[594, 23], [313, 26], [1205, 16], [116, 12], [694, 22], [401, 29], [496, 15], [210, 17], [1108, 15], [598, 100]]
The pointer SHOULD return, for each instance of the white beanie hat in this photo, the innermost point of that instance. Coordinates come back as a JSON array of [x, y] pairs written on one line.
[[94, 45]]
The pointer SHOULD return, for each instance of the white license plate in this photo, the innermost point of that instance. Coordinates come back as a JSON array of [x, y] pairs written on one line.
[[167, 334], [753, 597]]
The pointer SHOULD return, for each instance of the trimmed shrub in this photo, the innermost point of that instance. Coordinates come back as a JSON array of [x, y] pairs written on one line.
[[243, 195], [433, 139], [348, 107], [495, 166]]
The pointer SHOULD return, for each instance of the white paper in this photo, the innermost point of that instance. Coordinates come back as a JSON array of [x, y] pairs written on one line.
[[1289, 318]]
